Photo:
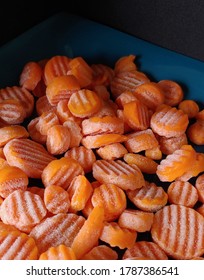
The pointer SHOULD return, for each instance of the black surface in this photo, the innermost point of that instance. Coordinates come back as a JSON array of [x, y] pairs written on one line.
[[176, 25]]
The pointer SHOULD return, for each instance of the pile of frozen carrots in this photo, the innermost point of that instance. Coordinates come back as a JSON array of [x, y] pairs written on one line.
[[94, 159]]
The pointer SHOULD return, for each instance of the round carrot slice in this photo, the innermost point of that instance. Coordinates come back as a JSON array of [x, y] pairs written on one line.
[[125, 64], [195, 132], [60, 252], [189, 107], [31, 75], [12, 111], [168, 145], [179, 231], [12, 132]]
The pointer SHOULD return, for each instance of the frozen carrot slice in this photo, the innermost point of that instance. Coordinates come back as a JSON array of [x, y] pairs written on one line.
[[169, 121], [58, 139], [124, 98], [112, 151], [42, 105], [59, 229], [17, 246], [179, 231], [140, 141], [168, 145], [30, 75], [136, 115], [28, 155], [136, 220], [80, 69], [154, 153], [102, 73], [34, 133], [80, 190], [195, 132], [46, 121], [102, 92], [89, 233], [145, 164], [176, 164], [101, 125], [199, 184], [148, 198], [125, 64], [12, 132], [84, 156], [61, 88], [189, 107], [20, 94], [109, 108], [61, 172], [145, 250], [150, 94], [56, 199], [127, 81], [12, 178], [84, 103], [63, 111], [182, 193], [56, 66], [75, 132], [100, 140], [101, 252], [173, 92], [115, 235], [119, 173], [23, 210], [111, 198], [12, 111], [60, 252]]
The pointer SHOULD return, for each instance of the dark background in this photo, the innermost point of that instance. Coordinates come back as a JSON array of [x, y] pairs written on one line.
[[177, 25]]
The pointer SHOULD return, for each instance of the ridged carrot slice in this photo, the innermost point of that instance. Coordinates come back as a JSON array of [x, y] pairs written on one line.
[[45, 121], [56, 199], [125, 64], [101, 252], [145, 250], [148, 198], [12, 178], [100, 140], [75, 132], [195, 132], [23, 210], [182, 193], [124, 98], [56, 230], [111, 198], [112, 151], [60, 252], [119, 173], [12, 132], [168, 145], [30, 75], [84, 103], [34, 133], [102, 73], [42, 105], [28, 155], [12, 111], [145, 164], [89, 233], [179, 231], [115, 235], [61, 172], [17, 246]]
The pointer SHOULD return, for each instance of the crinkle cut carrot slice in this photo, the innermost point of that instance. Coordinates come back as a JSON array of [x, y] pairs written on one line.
[[61, 88], [12, 132], [30, 75], [12, 111], [145, 250], [12, 178], [56, 199], [23, 210], [75, 132], [169, 121], [46, 121], [173, 92], [145, 164], [62, 111], [137, 220], [42, 105], [111, 198], [124, 98], [84, 103], [34, 133], [101, 252], [17, 246], [189, 107], [176, 164], [102, 72], [168, 145], [112, 151], [61, 172], [28, 155], [89, 233], [102, 92], [179, 231], [182, 193], [195, 132], [127, 81], [119, 173], [56, 66], [148, 198], [115, 235], [84, 156], [20, 94], [56, 230], [60, 252], [125, 64]]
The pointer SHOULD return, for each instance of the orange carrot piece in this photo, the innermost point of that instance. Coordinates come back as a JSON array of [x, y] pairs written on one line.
[[145, 164], [31, 75], [189, 107], [125, 64], [60, 252], [12, 132]]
